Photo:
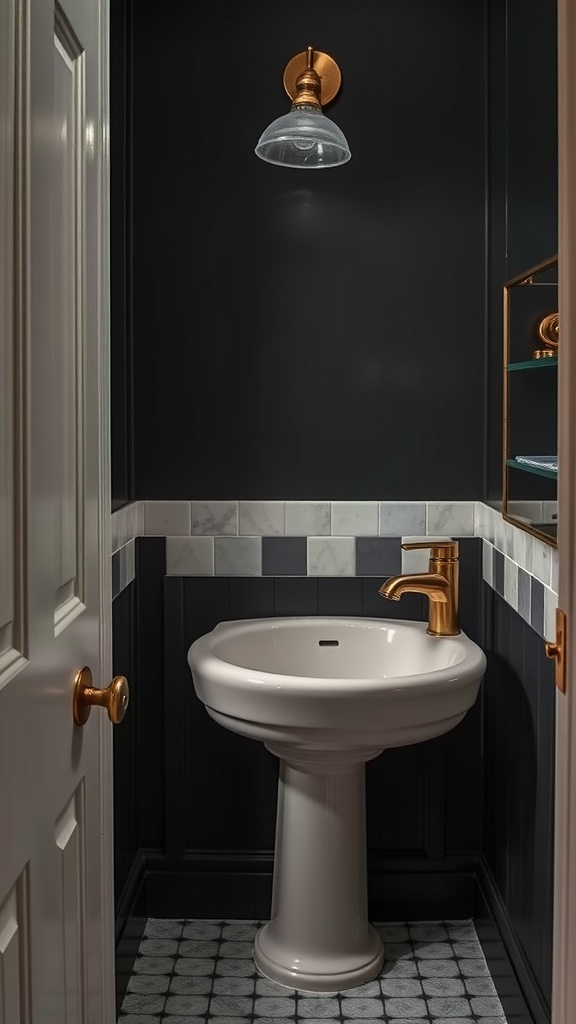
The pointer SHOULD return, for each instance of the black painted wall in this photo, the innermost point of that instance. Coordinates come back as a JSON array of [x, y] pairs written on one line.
[[522, 173], [289, 327]]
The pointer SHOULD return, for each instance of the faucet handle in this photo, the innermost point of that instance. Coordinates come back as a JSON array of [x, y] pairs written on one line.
[[441, 550]]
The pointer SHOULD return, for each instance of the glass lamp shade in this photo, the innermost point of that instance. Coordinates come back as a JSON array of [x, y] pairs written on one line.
[[303, 138]]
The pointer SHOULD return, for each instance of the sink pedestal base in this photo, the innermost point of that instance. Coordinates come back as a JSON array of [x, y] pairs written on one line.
[[319, 937]]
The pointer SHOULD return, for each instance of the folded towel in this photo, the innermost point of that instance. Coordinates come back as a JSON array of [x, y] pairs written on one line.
[[540, 461]]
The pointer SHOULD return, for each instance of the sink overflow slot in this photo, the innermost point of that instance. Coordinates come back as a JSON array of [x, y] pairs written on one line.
[[328, 643]]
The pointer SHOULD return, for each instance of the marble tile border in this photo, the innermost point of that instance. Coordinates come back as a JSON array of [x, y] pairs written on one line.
[[341, 538]]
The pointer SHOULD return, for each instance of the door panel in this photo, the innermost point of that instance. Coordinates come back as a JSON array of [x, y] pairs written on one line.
[[56, 920], [11, 344]]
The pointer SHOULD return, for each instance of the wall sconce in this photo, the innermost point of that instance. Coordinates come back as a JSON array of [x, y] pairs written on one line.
[[306, 137]]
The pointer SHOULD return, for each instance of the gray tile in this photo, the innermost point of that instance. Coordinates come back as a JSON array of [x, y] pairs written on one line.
[[277, 1006], [480, 987], [238, 950], [265, 987], [168, 518], [234, 968], [158, 947], [433, 950], [189, 556], [180, 985], [243, 930], [398, 987], [149, 983], [371, 988], [233, 987], [284, 556], [458, 1006], [231, 1006], [473, 968], [524, 591], [357, 1008], [511, 583], [402, 1008], [135, 1002], [498, 571], [461, 930], [141, 1018], [331, 556], [399, 518], [354, 519], [261, 518], [307, 518], [428, 933], [185, 1005], [393, 932], [193, 965], [399, 968], [443, 987], [468, 948], [179, 1019], [438, 968], [238, 556], [154, 965], [398, 951], [205, 930], [537, 606], [197, 948], [215, 518], [378, 556]]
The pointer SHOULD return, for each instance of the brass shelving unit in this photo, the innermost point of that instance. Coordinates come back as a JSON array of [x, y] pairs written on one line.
[[526, 328]]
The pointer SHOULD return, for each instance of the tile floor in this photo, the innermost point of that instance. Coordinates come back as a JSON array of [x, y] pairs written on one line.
[[188, 972]]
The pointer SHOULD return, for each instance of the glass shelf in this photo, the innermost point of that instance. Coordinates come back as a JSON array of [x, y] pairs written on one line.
[[534, 364], [551, 474]]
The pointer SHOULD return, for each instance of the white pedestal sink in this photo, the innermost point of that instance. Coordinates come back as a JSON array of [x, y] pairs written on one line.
[[326, 695]]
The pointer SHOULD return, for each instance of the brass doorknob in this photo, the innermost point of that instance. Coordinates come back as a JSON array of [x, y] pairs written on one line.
[[114, 698]]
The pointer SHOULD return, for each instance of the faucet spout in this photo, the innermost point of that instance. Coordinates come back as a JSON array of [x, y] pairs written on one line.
[[439, 585], [433, 585]]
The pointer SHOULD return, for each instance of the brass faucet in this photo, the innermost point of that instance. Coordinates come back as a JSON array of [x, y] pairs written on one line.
[[440, 584]]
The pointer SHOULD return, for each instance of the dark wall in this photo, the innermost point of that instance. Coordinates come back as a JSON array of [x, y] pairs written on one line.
[[290, 328], [522, 173], [519, 731]]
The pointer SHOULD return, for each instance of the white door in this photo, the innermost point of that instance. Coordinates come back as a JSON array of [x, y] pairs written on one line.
[[56, 935]]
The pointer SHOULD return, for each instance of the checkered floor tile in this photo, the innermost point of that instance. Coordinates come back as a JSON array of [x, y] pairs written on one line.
[[189, 972]]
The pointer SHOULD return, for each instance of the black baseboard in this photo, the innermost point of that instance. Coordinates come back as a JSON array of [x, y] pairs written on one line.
[[517, 986]]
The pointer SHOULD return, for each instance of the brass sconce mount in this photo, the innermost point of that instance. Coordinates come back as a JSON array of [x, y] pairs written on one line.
[[312, 78]]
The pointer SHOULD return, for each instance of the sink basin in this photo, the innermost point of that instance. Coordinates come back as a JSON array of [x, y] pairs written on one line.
[[360, 681], [326, 695]]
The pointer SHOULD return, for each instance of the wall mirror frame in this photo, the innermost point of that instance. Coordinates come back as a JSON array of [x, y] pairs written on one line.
[[530, 410]]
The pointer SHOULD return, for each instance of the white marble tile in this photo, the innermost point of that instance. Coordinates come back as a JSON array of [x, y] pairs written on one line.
[[398, 518], [499, 533], [331, 556], [131, 512], [550, 606], [168, 519], [554, 580], [261, 518], [238, 556], [354, 519], [307, 518], [511, 583], [215, 518], [541, 561], [417, 561], [522, 548], [140, 518], [455, 518], [509, 532], [531, 511], [487, 561], [130, 561], [480, 519], [119, 529], [189, 556]]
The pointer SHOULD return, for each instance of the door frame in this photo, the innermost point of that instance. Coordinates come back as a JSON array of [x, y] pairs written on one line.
[[564, 949], [108, 970]]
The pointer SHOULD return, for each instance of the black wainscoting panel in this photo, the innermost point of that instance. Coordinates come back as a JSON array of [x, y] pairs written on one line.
[[519, 730], [126, 840], [260, 371]]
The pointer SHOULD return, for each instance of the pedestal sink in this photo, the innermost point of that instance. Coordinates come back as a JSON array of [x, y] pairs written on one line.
[[326, 695]]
